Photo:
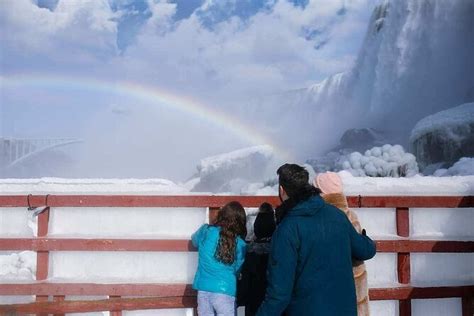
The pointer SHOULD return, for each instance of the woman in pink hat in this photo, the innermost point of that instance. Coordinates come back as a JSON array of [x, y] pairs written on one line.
[[330, 185]]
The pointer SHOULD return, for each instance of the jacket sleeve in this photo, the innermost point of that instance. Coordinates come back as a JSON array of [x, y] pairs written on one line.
[[243, 283], [198, 236], [362, 247], [281, 271], [240, 258]]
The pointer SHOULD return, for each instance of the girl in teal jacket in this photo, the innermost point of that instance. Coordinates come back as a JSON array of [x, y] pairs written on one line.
[[221, 249]]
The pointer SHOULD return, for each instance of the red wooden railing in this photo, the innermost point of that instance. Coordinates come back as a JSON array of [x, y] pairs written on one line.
[[157, 296]]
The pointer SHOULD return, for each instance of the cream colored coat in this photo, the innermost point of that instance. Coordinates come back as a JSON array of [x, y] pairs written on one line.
[[360, 274]]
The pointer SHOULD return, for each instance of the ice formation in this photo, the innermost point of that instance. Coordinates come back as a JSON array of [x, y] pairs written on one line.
[[385, 161], [231, 172], [444, 137], [464, 167]]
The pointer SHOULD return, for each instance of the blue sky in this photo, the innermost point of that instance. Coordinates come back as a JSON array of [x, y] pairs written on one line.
[[219, 52]]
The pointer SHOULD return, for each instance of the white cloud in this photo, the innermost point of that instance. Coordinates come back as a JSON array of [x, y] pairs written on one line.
[[161, 16], [79, 30], [266, 53]]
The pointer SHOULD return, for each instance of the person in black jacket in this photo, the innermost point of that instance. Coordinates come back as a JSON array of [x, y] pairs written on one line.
[[253, 282], [312, 250]]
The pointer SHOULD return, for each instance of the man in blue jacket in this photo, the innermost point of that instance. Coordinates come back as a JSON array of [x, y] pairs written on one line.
[[310, 266]]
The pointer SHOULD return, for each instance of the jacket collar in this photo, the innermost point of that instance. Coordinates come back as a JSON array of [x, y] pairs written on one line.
[[308, 207]]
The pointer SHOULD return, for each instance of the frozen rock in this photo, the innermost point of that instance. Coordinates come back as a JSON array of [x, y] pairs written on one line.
[[353, 140], [359, 139], [444, 137]]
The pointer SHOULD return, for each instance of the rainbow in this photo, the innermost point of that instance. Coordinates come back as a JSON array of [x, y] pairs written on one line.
[[150, 94]]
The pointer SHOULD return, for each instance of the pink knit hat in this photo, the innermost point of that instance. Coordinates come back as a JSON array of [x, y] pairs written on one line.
[[328, 182]]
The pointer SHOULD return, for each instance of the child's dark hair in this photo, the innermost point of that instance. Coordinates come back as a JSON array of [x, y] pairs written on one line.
[[266, 207], [231, 219], [264, 224]]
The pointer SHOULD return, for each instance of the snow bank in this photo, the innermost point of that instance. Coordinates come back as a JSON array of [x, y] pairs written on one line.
[[126, 267], [385, 161], [18, 266], [106, 222], [464, 167], [441, 223], [417, 185], [436, 307], [90, 186], [17, 222]]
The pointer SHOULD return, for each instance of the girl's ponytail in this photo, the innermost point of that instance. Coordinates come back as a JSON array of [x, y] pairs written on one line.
[[231, 219]]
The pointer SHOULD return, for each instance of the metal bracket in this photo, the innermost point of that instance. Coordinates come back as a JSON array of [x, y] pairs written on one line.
[[37, 209]]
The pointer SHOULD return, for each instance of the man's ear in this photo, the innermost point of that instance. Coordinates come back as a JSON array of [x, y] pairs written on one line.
[[283, 195]]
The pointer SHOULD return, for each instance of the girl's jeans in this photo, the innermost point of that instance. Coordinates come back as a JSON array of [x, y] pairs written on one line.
[[211, 304]]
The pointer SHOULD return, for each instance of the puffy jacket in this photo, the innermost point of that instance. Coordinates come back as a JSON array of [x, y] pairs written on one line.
[[310, 268], [253, 283], [358, 267], [213, 275]]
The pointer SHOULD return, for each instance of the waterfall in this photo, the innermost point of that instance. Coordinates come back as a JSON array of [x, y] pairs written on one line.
[[416, 59]]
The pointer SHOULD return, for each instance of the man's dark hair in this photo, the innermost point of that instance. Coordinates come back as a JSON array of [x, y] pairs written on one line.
[[295, 181], [293, 178]]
